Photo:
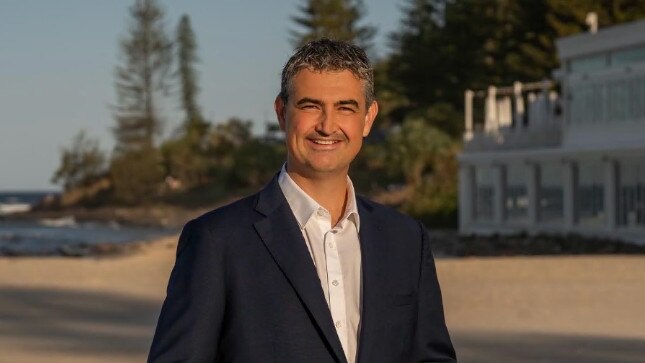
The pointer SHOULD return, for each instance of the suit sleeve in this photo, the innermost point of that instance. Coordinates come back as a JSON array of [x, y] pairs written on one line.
[[433, 341], [189, 325]]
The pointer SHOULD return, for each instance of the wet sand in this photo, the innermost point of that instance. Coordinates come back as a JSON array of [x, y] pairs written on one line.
[[518, 309]]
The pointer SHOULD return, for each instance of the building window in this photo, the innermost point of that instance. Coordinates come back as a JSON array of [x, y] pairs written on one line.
[[636, 98], [550, 193], [597, 102], [483, 194], [582, 104], [590, 194], [589, 63], [589, 102], [631, 193], [628, 56], [618, 101], [516, 198]]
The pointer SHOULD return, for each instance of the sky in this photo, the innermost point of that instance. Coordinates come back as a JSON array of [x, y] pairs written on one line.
[[57, 61]]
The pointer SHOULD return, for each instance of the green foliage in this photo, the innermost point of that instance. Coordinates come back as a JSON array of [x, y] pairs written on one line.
[[223, 141], [233, 162], [147, 57], [567, 17], [435, 200], [229, 146], [414, 149], [419, 65], [240, 160], [80, 164], [433, 207], [415, 169], [137, 176], [186, 159], [336, 19], [255, 162], [389, 94], [426, 157], [369, 171], [232, 133]]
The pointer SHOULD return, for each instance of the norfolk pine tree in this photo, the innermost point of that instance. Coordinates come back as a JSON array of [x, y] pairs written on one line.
[[336, 19], [186, 59], [185, 155], [141, 79]]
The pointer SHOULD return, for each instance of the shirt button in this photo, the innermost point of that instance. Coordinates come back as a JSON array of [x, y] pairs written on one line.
[[331, 245], [335, 282], [334, 231], [338, 324], [321, 212]]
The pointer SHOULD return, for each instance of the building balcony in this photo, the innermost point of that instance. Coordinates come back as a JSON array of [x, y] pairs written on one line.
[[523, 116]]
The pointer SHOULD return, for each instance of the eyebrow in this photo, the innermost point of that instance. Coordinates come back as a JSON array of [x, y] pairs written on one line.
[[347, 102], [309, 100], [320, 103]]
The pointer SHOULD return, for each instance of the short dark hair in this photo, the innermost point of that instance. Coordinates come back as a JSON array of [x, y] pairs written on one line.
[[329, 55]]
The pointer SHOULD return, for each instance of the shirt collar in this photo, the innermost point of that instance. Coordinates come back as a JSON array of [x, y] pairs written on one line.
[[304, 206]]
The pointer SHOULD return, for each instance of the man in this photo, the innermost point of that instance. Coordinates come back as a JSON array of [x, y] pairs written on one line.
[[305, 271]]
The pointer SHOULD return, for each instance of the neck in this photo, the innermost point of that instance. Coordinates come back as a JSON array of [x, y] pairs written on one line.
[[330, 192]]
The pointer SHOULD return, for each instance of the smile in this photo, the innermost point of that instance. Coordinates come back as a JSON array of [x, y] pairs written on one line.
[[325, 142]]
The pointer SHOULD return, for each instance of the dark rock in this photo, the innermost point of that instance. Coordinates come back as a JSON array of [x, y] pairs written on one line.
[[448, 243]]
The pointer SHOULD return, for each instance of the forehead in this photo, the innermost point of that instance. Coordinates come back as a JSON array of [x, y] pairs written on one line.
[[342, 82]]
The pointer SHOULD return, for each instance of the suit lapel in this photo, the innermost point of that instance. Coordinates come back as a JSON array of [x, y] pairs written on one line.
[[280, 233], [373, 256]]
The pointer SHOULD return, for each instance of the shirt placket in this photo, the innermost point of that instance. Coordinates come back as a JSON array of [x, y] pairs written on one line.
[[335, 281]]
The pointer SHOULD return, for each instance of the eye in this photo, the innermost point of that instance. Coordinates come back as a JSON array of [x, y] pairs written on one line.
[[346, 109]]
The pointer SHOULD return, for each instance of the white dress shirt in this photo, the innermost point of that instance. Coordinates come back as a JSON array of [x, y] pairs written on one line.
[[336, 254]]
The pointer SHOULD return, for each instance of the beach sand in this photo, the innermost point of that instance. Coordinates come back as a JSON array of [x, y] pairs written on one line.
[[514, 309]]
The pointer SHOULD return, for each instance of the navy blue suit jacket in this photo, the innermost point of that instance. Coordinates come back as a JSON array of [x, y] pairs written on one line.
[[244, 289]]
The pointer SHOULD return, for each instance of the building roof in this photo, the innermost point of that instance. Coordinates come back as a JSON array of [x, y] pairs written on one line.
[[613, 37]]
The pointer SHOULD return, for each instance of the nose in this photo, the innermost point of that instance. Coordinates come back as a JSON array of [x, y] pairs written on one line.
[[326, 124]]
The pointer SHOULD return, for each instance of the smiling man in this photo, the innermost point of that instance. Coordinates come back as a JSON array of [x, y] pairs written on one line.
[[305, 270]]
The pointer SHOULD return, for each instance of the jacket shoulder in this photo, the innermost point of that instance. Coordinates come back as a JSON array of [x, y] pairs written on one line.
[[239, 212], [389, 215]]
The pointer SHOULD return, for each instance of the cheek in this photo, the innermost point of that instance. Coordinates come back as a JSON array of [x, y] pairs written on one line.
[[300, 129], [355, 130], [295, 136]]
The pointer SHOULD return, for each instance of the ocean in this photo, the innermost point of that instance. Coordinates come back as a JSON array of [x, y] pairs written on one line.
[[30, 197], [61, 236]]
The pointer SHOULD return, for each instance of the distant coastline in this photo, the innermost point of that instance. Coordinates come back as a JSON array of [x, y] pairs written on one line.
[[12, 202], [29, 196]]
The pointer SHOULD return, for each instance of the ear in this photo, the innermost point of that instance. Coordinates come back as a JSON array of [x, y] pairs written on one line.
[[280, 110], [372, 111]]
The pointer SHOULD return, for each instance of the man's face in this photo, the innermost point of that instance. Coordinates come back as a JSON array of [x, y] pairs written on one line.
[[325, 120]]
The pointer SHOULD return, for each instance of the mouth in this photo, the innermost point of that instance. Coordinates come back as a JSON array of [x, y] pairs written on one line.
[[324, 142]]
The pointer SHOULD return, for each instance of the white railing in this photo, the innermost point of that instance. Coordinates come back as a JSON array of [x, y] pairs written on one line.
[[522, 116]]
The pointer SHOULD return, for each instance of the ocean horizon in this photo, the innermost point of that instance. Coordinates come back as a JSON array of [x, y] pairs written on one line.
[[25, 196]]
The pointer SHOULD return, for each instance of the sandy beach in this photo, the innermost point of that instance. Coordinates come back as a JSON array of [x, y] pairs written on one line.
[[516, 309]]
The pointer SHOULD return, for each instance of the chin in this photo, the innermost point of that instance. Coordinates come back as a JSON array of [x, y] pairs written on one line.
[[327, 169]]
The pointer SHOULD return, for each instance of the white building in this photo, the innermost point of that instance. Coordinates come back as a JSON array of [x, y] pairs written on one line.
[[571, 161]]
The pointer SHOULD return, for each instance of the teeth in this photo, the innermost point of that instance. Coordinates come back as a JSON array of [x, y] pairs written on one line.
[[324, 142]]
